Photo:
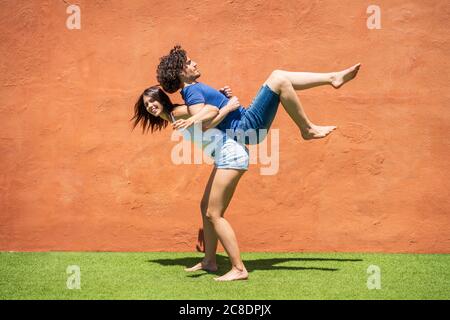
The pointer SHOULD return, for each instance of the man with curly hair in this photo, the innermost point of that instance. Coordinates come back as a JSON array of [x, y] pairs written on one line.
[[176, 71], [170, 69]]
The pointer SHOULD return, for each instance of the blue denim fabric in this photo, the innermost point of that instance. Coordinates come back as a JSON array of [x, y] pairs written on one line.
[[226, 152], [258, 117]]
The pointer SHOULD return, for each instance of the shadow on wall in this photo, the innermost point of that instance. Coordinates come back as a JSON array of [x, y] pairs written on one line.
[[251, 265]]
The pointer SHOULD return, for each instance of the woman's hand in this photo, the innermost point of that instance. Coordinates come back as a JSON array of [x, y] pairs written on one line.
[[233, 104], [226, 91], [182, 124]]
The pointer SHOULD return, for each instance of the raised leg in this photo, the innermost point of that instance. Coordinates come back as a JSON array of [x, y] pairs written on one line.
[[306, 80], [281, 83]]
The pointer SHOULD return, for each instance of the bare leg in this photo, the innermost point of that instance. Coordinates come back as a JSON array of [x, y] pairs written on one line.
[[225, 184], [294, 108], [285, 83], [306, 80], [222, 190], [280, 84], [209, 261]]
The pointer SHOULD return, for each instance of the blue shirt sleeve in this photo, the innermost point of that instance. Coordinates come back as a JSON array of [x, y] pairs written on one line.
[[193, 96]]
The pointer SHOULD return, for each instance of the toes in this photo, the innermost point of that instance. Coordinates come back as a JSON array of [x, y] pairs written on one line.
[[190, 269], [194, 268], [201, 266]]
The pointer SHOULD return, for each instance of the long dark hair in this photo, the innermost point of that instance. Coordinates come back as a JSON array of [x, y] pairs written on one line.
[[148, 120]]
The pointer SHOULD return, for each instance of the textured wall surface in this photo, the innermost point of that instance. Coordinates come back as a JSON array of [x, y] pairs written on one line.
[[75, 177]]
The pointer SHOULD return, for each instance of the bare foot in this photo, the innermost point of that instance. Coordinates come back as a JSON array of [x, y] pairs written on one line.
[[317, 132], [341, 77], [211, 267], [234, 274]]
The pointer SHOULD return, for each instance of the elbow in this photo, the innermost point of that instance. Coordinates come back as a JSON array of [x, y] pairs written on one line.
[[213, 113], [206, 125], [213, 109]]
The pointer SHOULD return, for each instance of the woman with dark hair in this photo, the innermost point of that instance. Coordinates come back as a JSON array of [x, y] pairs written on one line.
[[154, 111]]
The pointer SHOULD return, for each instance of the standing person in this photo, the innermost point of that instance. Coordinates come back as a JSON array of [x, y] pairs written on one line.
[[153, 110]]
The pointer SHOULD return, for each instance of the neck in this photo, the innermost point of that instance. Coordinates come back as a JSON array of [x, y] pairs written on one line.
[[188, 83], [165, 116]]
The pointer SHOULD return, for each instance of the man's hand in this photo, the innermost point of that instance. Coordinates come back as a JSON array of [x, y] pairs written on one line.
[[182, 124], [233, 104], [226, 91]]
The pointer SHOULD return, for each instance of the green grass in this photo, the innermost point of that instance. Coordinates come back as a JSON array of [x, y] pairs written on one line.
[[156, 275]]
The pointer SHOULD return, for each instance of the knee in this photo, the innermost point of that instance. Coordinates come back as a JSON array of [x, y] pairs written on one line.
[[212, 216], [277, 74], [277, 80]]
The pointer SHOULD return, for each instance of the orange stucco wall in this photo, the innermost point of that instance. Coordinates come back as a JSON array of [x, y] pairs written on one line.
[[75, 177]]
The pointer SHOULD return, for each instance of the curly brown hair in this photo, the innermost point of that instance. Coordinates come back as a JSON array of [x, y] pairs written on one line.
[[170, 67]]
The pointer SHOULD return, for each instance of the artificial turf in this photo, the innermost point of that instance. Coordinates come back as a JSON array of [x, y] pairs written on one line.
[[160, 275]]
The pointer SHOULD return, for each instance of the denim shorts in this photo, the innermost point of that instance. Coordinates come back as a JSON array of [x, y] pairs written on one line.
[[224, 151], [258, 117], [231, 154]]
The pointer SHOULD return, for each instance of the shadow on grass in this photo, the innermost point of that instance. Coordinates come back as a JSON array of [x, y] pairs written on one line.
[[251, 265]]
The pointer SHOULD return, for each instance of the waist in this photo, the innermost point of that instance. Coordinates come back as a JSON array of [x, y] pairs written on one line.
[[232, 119]]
